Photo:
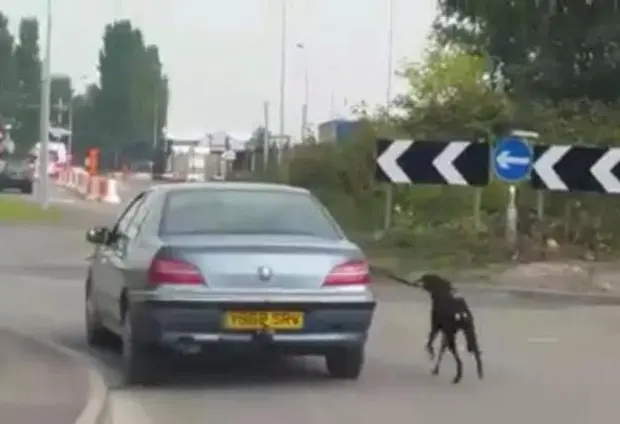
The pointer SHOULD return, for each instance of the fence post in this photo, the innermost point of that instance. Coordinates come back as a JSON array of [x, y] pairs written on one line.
[[540, 205], [477, 209], [389, 200]]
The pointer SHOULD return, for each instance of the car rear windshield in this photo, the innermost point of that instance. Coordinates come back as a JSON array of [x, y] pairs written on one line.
[[246, 212]]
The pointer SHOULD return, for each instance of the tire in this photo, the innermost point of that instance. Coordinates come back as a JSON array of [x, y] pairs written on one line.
[[137, 360], [345, 363], [27, 189], [96, 334]]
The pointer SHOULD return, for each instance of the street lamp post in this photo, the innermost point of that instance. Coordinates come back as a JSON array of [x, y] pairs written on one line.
[[70, 125], [283, 41], [389, 191], [304, 106], [155, 123], [45, 107]]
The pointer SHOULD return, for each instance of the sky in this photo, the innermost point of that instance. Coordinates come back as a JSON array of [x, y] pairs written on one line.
[[223, 58]]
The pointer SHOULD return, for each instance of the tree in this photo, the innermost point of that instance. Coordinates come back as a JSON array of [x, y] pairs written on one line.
[[85, 123], [150, 94], [544, 49], [450, 95], [257, 139], [7, 71], [113, 103], [28, 72], [132, 101]]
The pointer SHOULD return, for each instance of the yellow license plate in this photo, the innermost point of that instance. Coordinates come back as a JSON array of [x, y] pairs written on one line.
[[264, 320]]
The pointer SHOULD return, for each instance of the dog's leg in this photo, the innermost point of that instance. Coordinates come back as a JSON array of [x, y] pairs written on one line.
[[474, 348], [479, 368], [429, 343], [432, 334], [459, 364], [442, 349]]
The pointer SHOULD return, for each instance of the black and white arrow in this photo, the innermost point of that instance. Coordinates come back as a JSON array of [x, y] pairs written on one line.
[[444, 163], [461, 163], [388, 161], [544, 167], [605, 171], [576, 168]]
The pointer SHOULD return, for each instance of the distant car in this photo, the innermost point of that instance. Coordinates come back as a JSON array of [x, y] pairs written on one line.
[[195, 266], [16, 175]]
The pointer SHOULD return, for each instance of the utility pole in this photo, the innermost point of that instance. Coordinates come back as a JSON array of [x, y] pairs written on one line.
[[44, 127], [70, 140], [283, 41], [389, 191], [155, 124], [304, 106], [266, 136]]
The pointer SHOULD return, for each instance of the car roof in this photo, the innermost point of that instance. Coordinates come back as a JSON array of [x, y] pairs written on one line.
[[166, 188]]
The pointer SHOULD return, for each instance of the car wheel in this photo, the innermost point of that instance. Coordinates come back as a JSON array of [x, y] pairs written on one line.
[[96, 334], [27, 189], [346, 363], [137, 359]]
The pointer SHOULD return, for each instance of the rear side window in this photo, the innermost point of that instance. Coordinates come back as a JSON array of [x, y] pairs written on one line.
[[217, 211]]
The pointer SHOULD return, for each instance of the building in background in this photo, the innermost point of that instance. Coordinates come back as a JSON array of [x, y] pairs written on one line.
[[337, 130], [201, 155]]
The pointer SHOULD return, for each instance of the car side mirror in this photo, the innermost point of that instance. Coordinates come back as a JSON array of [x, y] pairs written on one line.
[[97, 235]]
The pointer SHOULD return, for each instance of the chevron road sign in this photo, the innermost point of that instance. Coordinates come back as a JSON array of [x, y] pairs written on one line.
[[461, 163], [572, 168]]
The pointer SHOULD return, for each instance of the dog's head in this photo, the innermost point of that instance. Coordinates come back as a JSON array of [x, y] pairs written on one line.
[[434, 284]]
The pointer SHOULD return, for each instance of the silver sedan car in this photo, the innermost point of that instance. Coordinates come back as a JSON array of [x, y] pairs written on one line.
[[195, 267]]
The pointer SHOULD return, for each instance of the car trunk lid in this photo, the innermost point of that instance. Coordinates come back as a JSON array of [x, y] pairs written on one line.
[[263, 262]]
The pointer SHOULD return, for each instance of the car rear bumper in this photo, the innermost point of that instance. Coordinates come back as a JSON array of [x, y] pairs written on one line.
[[195, 326]]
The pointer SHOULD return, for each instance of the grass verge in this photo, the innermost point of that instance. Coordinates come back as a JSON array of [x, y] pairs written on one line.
[[453, 256], [14, 210]]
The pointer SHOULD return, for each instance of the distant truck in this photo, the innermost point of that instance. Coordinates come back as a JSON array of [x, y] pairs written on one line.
[[57, 159], [7, 145], [337, 130]]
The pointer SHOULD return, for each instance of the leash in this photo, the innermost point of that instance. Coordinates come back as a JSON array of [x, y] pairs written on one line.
[[402, 280]]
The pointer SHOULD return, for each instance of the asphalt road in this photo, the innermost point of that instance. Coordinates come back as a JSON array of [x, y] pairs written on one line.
[[39, 384], [544, 362]]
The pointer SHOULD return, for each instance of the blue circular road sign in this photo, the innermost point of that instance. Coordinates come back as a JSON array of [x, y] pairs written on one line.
[[512, 159]]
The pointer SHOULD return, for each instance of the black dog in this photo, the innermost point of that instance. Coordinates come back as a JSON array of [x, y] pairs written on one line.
[[449, 315]]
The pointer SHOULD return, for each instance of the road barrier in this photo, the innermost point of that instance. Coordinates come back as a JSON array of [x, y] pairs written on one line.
[[99, 188]]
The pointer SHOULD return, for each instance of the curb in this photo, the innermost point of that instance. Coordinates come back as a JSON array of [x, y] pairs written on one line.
[[589, 298], [94, 411]]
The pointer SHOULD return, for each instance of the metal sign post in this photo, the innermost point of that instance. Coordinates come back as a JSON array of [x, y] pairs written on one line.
[[512, 163]]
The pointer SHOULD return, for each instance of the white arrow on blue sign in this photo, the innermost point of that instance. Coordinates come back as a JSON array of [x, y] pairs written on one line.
[[512, 159]]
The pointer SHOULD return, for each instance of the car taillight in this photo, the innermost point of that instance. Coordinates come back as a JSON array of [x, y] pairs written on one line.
[[168, 271], [348, 273]]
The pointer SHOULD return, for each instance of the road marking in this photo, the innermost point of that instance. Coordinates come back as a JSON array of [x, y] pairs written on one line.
[[125, 410], [97, 396], [543, 340]]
